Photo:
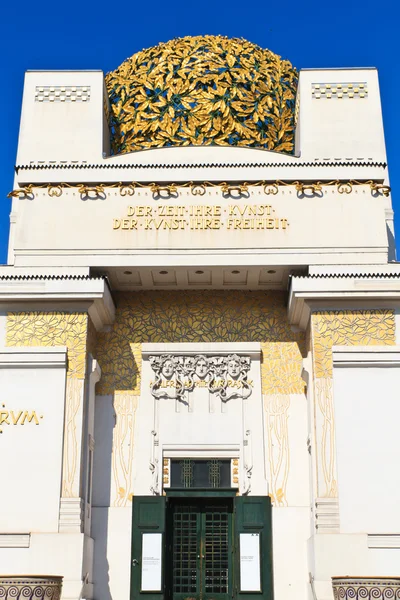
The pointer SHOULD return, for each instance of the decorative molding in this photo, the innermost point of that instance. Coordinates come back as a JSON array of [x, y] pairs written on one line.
[[383, 274], [38, 357], [228, 190], [235, 472], [250, 349], [368, 588], [71, 515], [291, 162], [154, 464], [31, 587], [166, 472], [47, 277], [367, 356], [327, 518], [60, 93], [247, 458], [386, 540], [15, 540], [333, 91]]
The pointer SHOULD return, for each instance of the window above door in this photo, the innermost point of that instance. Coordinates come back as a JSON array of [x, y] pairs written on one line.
[[201, 473]]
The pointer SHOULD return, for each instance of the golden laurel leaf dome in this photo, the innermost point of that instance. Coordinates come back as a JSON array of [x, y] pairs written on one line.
[[203, 90]]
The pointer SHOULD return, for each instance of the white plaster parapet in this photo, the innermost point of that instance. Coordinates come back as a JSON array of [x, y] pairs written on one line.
[[341, 291]]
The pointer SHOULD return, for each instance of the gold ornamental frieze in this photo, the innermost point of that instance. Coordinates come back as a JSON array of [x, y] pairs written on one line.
[[168, 191]]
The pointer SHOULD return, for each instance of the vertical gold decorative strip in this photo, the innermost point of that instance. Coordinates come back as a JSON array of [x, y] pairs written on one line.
[[71, 457], [326, 434], [125, 405], [277, 417]]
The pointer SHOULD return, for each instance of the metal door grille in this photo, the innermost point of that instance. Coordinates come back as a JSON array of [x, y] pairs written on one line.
[[216, 550], [185, 549]]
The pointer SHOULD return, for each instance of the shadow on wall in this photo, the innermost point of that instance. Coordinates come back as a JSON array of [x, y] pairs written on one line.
[[392, 245], [104, 424]]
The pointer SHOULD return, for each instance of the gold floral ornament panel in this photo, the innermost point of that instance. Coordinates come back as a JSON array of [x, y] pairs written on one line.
[[203, 90], [349, 328], [51, 329], [201, 316]]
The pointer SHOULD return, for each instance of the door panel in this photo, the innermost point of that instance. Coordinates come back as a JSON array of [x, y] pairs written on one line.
[[186, 549], [253, 516], [202, 549], [216, 532], [148, 517]]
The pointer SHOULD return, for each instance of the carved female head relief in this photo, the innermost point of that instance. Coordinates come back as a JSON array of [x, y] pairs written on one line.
[[234, 366], [168, 368], [201, 366]]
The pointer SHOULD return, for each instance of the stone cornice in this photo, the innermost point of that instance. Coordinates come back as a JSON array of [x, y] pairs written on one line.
[[23, 292], [55, 356], [307, 294], [205, 165], [366, 356]]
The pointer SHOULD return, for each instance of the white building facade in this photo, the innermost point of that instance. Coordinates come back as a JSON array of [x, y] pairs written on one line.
[[200, 340]]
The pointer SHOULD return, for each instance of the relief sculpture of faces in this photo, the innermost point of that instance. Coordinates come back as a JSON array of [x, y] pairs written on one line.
[[177, 376]]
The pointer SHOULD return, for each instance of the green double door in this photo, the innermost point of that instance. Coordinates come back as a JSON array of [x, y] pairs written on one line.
[[200, 557], [199, 548]]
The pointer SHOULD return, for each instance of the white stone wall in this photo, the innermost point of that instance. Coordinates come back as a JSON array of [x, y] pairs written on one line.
[[340, 115], [32, 384], [367, 413]]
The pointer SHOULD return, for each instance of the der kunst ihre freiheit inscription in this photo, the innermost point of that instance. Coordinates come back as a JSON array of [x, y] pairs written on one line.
[[200, 216]]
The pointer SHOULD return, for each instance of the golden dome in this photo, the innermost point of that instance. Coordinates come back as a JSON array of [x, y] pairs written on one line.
[[204, 90]]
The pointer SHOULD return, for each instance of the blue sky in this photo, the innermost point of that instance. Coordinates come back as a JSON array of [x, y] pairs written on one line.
[[99, 35]]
